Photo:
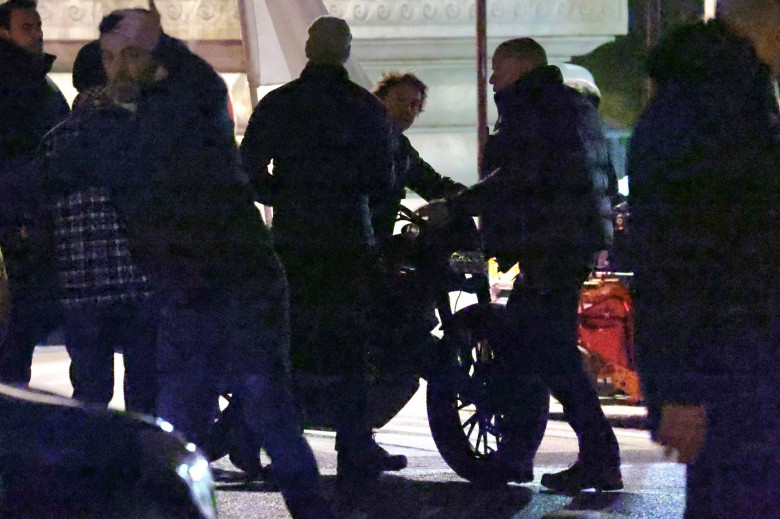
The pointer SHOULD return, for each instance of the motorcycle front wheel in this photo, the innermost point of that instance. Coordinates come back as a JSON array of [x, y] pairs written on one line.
[[465, 401]]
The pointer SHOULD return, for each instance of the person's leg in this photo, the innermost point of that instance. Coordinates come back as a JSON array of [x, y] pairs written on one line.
[[16, 350], [190, 345], [258, 349], [549, 321], [30, 321], [136, 330], [269, 413], [91, 357], [35, 311]]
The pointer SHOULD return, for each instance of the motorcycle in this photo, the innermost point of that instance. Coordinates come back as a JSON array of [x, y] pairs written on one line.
[[419, 336]]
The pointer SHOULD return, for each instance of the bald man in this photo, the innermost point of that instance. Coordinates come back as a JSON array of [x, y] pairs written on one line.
[[704, 169], [544, 204]]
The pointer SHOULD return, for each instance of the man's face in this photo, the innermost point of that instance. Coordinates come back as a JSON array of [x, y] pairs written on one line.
[[507, 70], [403, 103], [127, 68], [26, 30]]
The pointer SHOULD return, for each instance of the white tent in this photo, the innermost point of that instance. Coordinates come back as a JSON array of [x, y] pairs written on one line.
[[274, 33]]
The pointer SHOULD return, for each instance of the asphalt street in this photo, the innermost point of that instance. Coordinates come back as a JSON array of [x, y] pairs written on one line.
[[428, 489]]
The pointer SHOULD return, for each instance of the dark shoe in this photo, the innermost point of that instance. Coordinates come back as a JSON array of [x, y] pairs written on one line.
[[246, 459], [510, 469], [388, 462], [578, 477]]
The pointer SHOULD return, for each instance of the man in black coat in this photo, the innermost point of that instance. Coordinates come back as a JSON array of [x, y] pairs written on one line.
[[193, 229], [329, 140], [544, 205], [704, 170], [30, 105], [404, 96]]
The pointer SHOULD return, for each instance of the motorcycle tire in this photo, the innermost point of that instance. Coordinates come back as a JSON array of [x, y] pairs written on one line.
[[464, 403]]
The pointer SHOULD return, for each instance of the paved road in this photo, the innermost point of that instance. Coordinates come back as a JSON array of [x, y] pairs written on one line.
[[428, 489]]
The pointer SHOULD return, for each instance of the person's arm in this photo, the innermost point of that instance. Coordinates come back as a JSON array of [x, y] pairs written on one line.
[[423, 179], [377, 177], [256, 151]]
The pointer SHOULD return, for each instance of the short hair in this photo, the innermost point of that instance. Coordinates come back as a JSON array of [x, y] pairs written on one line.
[[111, 20], [524, 49], [88, 68], [7, 7], [392, 79], [329, 41]]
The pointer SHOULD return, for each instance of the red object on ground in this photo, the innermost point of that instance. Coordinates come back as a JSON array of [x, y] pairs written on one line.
[[606, 330]]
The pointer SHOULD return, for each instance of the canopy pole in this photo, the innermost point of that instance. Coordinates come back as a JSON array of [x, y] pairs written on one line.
[[251, 44], [482, 124], [248, 17]]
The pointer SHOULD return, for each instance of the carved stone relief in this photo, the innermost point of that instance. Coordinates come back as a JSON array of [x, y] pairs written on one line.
[[218, 19]]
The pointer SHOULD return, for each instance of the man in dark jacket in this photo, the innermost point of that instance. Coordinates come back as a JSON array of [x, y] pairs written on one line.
[[404, 96], [329, 140], [194, 230], [30, 105], [544, 204], [704, 169]]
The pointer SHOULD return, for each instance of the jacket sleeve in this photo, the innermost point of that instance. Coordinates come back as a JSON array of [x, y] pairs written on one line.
[[424, 180], [256, 149], [377, 159]]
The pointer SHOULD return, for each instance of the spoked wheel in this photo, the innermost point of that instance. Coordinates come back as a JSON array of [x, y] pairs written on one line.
[[466, 402]]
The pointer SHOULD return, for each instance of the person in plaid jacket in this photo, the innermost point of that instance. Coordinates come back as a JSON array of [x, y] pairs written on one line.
[[106, 297]]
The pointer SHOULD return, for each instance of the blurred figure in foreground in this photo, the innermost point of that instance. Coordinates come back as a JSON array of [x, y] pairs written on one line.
[[193, 228], [704, 170]]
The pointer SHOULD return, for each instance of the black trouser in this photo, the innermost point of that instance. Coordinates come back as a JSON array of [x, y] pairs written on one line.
[[237, 341], [35, 310], [329, 309], [545, 321], [91, 337]]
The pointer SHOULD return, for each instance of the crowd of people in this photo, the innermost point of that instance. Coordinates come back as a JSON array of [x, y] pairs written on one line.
[[130, 221]]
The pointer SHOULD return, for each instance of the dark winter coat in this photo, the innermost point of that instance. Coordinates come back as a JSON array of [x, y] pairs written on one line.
[[177, 184], [410, 171], [544, 200], [704, 170], [30, 105], [329, 140]]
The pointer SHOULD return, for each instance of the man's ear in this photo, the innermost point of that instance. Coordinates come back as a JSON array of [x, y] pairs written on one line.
[[4, 34]]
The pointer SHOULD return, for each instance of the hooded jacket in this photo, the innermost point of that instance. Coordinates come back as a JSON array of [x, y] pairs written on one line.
[[704, 170], [544, 199]]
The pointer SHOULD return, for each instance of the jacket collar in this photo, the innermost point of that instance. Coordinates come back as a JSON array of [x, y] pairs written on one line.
[[529, 85], [324, 71], [18, 66]]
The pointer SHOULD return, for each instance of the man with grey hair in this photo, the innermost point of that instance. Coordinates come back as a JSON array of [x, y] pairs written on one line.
[[329, 140], [704, 168], [170, 162]]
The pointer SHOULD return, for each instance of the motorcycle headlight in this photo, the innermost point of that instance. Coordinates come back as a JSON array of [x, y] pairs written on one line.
[[196, 474]]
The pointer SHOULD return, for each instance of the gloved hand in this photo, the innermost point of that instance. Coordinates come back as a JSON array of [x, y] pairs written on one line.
[[437, 212]]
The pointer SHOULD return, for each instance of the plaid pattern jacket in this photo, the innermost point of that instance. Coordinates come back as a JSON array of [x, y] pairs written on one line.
[[94, 263]]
